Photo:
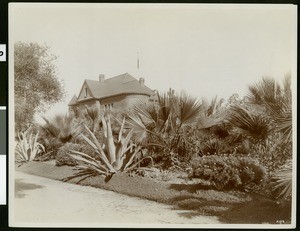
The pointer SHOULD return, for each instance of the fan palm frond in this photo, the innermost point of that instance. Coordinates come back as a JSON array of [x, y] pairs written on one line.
[[277, 99], [62, 127], [283, 181], [255, 126], [187, 109]]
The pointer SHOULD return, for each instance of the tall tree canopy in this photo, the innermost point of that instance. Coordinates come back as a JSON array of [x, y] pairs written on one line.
[[36, 82]]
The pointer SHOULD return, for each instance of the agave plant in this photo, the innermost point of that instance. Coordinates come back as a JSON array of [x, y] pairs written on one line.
[[115, 155], [27, 147]]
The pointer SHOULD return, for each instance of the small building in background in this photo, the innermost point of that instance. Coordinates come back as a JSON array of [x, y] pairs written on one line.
[[118, 92]]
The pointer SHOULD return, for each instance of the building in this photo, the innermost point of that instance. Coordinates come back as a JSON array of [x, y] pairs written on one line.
[[117, 92]]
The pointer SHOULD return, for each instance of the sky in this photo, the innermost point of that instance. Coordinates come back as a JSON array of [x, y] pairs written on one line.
[[205, 50]]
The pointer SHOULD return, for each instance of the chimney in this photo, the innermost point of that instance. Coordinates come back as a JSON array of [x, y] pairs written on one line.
[[142, 81], [101, 78]]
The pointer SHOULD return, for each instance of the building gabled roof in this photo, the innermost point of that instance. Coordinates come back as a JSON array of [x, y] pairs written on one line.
[[73, 100], [118, 85], [121, 84]]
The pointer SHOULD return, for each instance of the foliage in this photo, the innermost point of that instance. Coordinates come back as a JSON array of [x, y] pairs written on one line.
[[27, 147], [255, 127], [93, 115], [36, 83], [62, 128], [163, 126], [63, 157], [282, 181], [273, 153], [56, 132], [277, 100], [212, 114], [154, 173], [227, 171], [211, 146], [115, 155]]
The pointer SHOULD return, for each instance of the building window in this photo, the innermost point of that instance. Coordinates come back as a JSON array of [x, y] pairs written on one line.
[[85, 95], [109, 105]]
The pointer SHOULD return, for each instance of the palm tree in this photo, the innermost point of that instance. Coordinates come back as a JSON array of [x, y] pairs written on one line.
[[277, 100], [255, 127], [163, 124], [282, 181], [64, 128], [213, 115]]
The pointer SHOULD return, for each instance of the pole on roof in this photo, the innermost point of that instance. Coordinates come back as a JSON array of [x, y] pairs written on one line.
[[138, 61]]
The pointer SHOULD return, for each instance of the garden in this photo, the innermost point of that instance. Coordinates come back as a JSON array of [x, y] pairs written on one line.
[[230, 158]]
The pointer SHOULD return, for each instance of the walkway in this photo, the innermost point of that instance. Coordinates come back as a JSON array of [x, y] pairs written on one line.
[[43, 202]]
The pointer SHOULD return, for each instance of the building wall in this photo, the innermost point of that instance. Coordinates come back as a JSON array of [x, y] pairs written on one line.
[[83, 104], [119, 102], [123, 101]]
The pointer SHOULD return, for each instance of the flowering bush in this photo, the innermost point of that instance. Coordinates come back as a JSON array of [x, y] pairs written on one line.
[[227, 171]]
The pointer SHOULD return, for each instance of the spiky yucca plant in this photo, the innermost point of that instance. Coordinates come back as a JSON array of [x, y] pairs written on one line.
[[27, 147], [115, 155]]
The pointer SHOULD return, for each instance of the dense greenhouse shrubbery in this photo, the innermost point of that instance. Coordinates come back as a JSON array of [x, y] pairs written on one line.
[[228, 172]]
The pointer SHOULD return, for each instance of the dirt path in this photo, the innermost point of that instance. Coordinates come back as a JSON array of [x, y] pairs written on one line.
[[44, 202]]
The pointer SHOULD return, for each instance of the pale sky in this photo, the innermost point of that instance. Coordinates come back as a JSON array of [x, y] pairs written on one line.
[[206, 50]]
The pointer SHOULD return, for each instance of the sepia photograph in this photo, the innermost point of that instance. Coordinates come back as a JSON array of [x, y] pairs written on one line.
[[152, 115]]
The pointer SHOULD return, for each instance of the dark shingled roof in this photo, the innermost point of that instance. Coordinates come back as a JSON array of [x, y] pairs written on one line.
[[118, 85], [121, 84]]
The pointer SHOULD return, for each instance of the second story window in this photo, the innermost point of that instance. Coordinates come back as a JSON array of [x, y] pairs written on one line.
[[85, 92]]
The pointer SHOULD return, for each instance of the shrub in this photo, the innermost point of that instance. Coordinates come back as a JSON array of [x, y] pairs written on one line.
[[154, 173], [227, 171], [273, 153], [165, 125], [63, 128], [211, 146], [58, 131], [63, 157], [51, 145]]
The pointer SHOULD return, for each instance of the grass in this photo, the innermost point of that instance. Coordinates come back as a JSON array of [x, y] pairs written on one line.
[[230, 206]]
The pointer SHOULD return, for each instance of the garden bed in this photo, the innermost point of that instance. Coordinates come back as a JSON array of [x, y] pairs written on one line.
[[229, 206]]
